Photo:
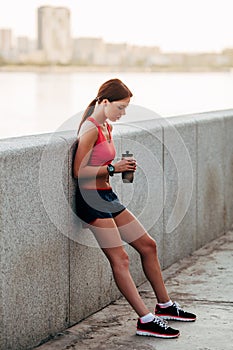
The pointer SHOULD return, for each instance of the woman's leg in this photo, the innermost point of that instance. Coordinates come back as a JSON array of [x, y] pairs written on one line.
[[133, 232], [108, 237]]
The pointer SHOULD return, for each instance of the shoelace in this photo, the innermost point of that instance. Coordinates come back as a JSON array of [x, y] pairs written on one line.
[[160, 322], [178, 308]]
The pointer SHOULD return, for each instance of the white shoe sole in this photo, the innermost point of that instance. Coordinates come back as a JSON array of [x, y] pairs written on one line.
[[173, 318], [157, 335]]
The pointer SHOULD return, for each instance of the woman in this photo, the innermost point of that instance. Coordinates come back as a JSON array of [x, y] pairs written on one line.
[[110, 221]]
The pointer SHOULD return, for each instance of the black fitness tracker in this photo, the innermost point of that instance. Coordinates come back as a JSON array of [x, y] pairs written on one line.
[[110, 169]]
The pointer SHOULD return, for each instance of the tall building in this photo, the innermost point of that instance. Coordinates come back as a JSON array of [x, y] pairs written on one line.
[[5, 40], [54, 37]]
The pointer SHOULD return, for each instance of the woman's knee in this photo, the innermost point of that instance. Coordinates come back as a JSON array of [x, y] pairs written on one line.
[[149, 246], [120, 260]]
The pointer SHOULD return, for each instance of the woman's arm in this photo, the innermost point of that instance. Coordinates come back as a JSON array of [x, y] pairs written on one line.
[[81, 169]]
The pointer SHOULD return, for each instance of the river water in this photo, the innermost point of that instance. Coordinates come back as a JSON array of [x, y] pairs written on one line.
[[34, 103]]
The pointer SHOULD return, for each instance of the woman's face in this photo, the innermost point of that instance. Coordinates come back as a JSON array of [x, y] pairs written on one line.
[[116, 109]]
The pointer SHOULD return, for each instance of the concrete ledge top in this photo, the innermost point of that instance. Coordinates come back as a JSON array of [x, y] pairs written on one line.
[[204, 116], [19, 144]]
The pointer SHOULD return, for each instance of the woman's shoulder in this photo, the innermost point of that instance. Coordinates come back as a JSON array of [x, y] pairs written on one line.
[[88, 128]]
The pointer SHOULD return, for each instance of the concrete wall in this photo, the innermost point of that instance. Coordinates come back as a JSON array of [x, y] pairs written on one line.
[[52, 274]]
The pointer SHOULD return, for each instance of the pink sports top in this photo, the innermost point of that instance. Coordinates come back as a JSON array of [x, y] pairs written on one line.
[[104, 151]]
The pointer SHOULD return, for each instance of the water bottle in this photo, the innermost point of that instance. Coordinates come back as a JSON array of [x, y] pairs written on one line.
[[127, 176]]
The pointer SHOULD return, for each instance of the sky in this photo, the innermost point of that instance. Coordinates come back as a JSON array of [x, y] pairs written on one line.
[[173, 25]]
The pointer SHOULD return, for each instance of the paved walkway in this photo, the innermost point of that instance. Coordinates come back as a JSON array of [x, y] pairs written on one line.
[[202, 283]]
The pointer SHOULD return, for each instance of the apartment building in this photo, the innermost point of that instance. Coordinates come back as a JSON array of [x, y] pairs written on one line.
[[54, 37]]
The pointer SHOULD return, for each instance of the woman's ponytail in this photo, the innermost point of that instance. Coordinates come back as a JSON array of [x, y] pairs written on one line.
[[89, 110]]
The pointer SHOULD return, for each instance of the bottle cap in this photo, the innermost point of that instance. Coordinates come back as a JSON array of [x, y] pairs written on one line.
[[127, 154]]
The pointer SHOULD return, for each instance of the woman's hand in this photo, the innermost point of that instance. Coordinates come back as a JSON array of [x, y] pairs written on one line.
[[125, 165]]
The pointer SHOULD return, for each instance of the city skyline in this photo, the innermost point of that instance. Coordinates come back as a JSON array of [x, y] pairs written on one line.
[[178, 25]]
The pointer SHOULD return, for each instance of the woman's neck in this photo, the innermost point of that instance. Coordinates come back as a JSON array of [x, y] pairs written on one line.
[[99, 115]]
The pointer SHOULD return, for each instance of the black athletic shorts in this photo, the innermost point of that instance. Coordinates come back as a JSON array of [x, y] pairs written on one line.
[[97, 203]]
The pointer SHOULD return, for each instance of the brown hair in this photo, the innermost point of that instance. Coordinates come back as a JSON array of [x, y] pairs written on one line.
[[112, 90]]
